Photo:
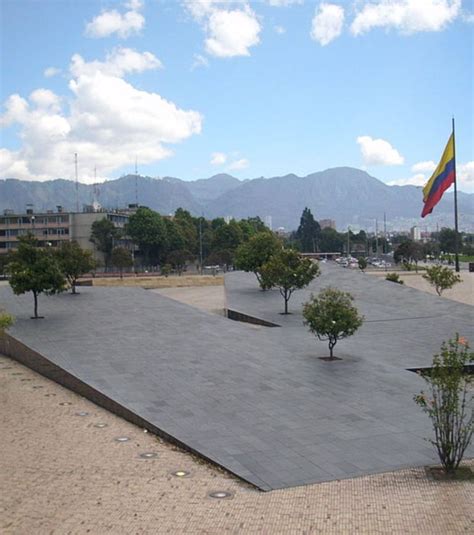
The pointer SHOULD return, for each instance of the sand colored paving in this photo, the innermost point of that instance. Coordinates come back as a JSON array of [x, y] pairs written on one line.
[[61, 474], [462, 292]]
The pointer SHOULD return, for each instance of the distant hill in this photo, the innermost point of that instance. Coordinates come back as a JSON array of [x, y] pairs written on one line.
[[349, 196]]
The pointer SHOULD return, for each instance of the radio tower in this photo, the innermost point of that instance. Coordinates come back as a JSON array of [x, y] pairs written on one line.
[[77, 183]]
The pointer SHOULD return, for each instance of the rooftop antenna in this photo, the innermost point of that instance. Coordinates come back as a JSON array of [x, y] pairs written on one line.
[[136, 182], [77, 183]]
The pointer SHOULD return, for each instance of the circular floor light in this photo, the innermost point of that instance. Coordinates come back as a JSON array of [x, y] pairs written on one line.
[[181, 473], [100, 425], [221, 495], [82, 413], [67, 403], [122, 439], [148, 455]]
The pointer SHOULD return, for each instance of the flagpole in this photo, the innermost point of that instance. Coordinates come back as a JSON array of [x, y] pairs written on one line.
[[456, 240]]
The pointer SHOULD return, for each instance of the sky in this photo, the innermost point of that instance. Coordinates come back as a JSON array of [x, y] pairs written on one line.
[[193, 88]]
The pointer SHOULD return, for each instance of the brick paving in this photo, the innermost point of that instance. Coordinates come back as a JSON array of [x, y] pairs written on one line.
[[62, 475]]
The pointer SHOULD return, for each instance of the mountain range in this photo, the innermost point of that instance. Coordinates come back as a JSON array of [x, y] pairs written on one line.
[[347, 195]]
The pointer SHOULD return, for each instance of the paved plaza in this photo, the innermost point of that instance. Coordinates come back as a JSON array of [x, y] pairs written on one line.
[[258, 402], [63, 473]]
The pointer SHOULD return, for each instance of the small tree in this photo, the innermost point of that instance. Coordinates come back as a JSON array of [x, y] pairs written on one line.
[[178, 259], [103, 234], [121, 258], [288, 271], [35, 270], [362, 263], [450, 403], [331, 316], [251, 255], [441, 277], [74, 262]]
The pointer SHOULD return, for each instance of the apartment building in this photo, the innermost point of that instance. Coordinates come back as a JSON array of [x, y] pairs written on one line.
[[51, 228]]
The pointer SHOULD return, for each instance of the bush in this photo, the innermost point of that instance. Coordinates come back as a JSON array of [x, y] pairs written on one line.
[[393, 277], [441, 277], [450, 403]]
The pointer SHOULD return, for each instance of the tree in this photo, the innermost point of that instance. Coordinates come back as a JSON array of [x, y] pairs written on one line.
[[74, 262], [121, 258], [450, 401], [309, 232], [223, 257], [331, 316], [441, 277], [228, 236], [178, 259], [251, 256], [288, 271], [103, 235], [35, 270], [331, 241], [409, 251], [362, 263], [147, 229], [447, 240]]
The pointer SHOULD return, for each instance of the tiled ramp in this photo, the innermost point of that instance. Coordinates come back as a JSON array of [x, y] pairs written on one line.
[[256, 401]]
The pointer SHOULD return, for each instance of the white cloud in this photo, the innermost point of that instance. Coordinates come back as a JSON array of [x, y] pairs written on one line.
[[199, 61], [232, 33], [378, 152], [415, 180], [327, 23], [51, 71], [117, 63], [280, 30], [465, 175], [110, 22], [283, 3], [108, 122], [232, 28], [424, 167], [238, 164], [406, 16], [218, 158]]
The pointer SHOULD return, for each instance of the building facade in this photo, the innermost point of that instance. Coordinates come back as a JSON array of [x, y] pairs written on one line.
[[51, 229]]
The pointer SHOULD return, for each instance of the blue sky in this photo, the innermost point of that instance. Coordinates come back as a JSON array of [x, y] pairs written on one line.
[[191, 89]]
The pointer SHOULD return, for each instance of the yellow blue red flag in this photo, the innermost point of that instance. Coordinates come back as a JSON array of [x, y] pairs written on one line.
[[441, 179]]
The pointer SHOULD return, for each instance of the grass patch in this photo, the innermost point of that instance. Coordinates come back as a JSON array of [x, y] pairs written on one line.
[[161, 282], [463, 473]]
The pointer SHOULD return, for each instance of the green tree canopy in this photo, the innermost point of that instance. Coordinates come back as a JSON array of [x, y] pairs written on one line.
[[251, 255], [331, 316], [147, 229], [447, 240], [331, 241], [35, 270], [103, 235], [178, 258], [74, 262], [441, 278], [288, 271], [309, 232], [121, 258], [227, 237], [409, 251]]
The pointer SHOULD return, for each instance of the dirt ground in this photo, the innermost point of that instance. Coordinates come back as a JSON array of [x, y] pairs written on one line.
[[161, 282], [62, 474], [209, 298]]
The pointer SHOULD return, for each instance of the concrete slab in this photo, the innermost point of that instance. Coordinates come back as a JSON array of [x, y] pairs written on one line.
[[256, 401]]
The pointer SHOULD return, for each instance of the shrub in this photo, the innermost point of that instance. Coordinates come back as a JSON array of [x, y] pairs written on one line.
[[441, 277], [393, 277], [449, 403]]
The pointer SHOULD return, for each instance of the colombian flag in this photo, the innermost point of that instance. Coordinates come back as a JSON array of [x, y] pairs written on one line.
[[442, 178]]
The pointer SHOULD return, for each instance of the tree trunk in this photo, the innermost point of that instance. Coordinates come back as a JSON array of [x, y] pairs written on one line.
[[332, 343], [286, 302], [121, 273], [73, 286], [35, 296]]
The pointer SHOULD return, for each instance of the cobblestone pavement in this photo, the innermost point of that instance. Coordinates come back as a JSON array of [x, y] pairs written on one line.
[[63, 474]]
